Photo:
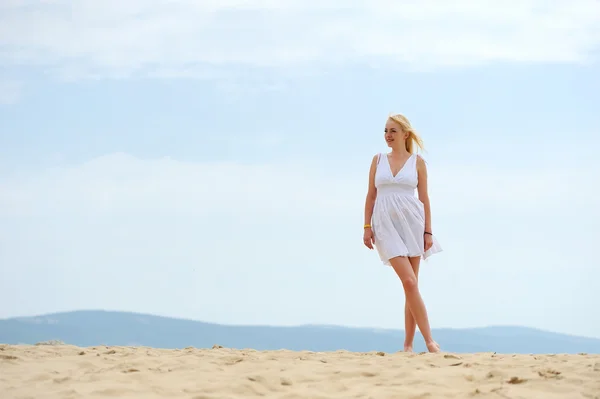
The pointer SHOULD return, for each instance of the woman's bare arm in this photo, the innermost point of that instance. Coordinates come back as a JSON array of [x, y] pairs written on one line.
[[371, 193], [422, 191]]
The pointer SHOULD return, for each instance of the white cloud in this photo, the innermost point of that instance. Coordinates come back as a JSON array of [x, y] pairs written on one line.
[[10, 92], [93, 38], [217, 241], [120, 182]]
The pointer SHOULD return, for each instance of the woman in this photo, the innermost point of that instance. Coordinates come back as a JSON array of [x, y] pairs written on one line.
[[399, 224]]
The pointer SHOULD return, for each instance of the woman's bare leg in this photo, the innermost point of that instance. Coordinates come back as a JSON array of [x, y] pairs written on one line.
[[410, 324], [404, 270]]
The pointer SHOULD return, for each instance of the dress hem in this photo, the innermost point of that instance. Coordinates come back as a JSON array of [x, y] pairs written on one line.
[[424, 256]]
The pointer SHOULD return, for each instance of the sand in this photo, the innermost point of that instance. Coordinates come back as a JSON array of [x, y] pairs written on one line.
[[63, 371]]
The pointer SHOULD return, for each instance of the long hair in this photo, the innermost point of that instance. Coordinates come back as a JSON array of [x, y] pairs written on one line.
[[413, 138]]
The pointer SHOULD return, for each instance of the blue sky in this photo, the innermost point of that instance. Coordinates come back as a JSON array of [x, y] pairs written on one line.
[[209, 160]]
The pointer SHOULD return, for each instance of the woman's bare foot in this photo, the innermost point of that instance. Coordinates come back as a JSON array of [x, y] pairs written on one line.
[[408, 348], [433, 347]]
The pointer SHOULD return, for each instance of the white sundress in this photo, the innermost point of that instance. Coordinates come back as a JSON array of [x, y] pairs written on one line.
[[398, 219]]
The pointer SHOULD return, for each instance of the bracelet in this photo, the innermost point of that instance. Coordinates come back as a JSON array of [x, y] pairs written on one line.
[[367, 226], [428, 233]]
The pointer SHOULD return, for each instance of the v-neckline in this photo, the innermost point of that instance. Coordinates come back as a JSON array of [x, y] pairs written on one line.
[[401, 169]]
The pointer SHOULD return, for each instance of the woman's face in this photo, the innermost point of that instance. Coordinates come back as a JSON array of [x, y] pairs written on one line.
[[393, 133]]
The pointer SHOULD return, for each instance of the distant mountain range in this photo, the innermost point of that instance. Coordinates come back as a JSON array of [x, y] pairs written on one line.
[[90, 328]]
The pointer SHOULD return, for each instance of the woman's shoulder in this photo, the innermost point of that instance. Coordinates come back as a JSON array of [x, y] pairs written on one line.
[[377, 157], [421, 164]]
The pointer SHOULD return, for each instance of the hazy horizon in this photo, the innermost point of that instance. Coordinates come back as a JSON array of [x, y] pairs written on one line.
[[92, 328], [375, 328]]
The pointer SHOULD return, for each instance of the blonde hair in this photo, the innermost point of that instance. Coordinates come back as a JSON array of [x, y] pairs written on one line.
[[413, 138]]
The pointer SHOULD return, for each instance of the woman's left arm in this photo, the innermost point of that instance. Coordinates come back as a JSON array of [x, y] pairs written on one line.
[[422, 191]]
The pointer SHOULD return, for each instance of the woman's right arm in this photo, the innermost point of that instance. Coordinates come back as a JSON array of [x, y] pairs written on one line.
[[371, 193], [368, 237]]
